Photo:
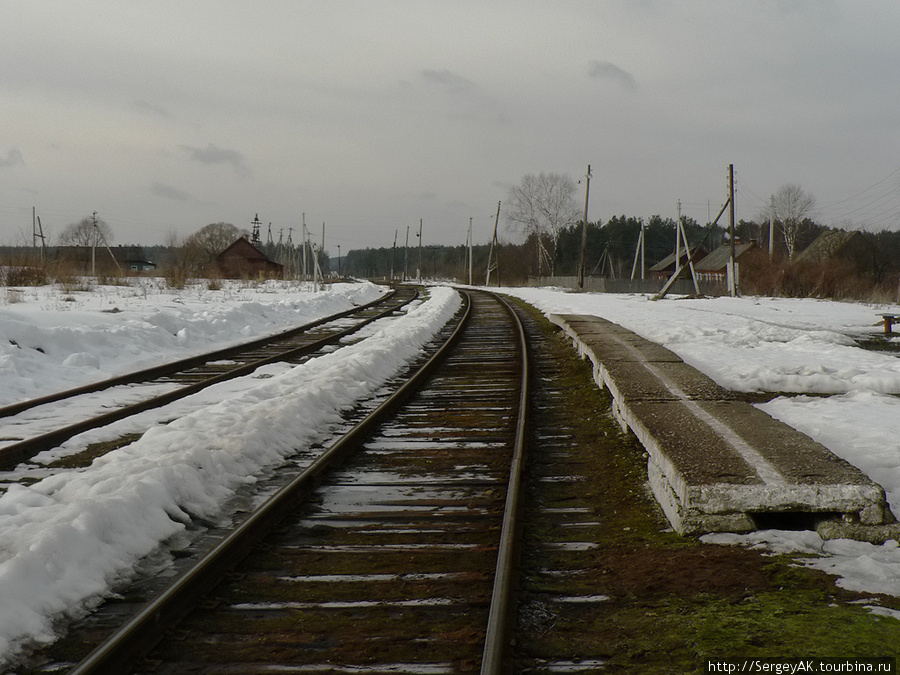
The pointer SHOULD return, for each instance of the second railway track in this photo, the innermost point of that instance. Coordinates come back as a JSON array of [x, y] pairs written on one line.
[[172, 381]]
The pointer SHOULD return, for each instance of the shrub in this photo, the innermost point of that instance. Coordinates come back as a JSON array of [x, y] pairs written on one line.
[[26, 276]]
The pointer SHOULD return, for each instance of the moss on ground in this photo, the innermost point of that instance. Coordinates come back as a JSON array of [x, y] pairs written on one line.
[[674, 601]]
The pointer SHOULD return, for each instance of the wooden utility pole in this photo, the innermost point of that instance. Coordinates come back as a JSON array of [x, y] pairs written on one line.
[[772, 227], [419, 271], [680, 234], [643, 250], [639, 253], [303, 239], [37, 231], [732, 286], [94, 244], [406, 257], [393, 251], [678, 241], [470, 251], [587, 192], [491, 265]]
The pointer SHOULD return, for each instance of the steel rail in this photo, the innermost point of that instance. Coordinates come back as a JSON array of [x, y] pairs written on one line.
[[14, 453], [137, 636], [188, 363], [500, 617]]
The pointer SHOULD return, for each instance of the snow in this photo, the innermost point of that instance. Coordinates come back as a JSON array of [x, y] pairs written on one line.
[[65, 540], [54, 338], [785, 345], [68, 538]]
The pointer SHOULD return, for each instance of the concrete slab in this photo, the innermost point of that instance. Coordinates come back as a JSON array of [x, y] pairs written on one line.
[[716, 463]]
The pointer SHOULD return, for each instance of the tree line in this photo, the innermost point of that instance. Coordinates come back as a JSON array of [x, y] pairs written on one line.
[[611, 247]]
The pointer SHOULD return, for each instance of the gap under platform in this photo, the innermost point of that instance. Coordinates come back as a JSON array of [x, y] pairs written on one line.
[[717, 463]]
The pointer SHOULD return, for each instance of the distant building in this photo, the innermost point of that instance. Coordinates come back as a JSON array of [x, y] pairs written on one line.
[[139, 265], [839, 245], [713, 266], [242, 260], [665, 268]]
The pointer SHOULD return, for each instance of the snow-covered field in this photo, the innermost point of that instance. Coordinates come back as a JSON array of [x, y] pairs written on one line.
[[66, 539], [785, 345]]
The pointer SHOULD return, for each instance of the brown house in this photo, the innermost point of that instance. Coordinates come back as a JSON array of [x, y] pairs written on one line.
[[242, 260], [712, 267]]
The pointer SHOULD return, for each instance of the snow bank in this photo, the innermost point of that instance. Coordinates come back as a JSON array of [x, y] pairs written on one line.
[[53, 339]]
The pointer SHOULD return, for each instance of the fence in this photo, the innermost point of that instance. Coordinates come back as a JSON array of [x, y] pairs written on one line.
[[649, 286]]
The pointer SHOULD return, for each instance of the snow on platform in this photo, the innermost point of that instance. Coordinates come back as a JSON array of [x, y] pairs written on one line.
[[717, 463]]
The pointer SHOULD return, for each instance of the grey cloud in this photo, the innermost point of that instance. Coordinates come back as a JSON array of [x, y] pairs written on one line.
[[212, 154], [448, 79], [152, 108], [604, 70], [170, 192], [13, 158]]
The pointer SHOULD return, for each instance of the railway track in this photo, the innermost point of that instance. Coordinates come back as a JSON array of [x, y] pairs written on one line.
[[398, 549], [33, 426]]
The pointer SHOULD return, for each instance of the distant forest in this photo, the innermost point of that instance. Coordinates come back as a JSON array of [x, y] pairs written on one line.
[[610, 250]]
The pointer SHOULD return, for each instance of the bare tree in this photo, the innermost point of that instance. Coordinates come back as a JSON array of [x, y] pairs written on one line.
[[542, 206], [86, 232], [792, 208], [209, 241]]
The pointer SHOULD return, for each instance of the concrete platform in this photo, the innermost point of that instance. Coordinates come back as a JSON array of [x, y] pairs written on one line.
[[717, 463]]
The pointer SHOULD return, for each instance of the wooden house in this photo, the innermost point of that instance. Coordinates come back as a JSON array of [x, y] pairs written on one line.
[[242, 260], [839, 245], [713, 266], [665, 268]]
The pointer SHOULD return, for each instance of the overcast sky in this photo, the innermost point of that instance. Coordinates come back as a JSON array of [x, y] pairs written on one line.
[[368, 115]]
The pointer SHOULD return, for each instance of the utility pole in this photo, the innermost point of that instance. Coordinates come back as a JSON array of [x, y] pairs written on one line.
[[303, 239], [41, 235], [37, 231], [470, 251], [393, 251], [772, 227], [733, 286], [491, 265], [94, 243], [419, 271], [643, 249], [639, 253], [678, 240], [339, 260], [406, 257], [587, 192]]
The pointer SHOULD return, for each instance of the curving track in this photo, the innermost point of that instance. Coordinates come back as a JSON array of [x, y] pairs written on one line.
[[393, 550]]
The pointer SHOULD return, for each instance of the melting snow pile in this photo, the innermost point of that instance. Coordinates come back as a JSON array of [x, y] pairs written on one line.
[[66, 539]]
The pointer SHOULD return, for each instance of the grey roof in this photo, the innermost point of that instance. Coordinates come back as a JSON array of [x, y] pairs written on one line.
[[716, 261], [696, 252], [826, 245]]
